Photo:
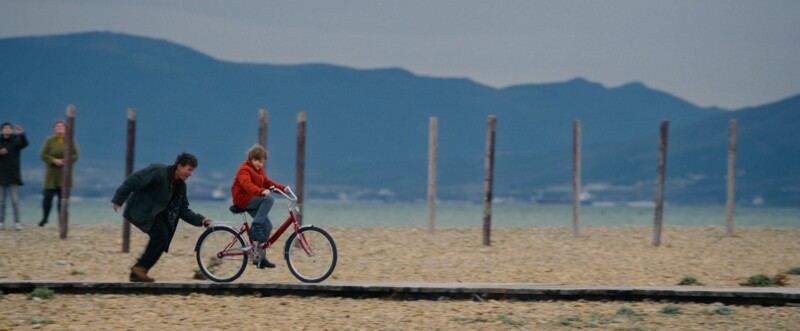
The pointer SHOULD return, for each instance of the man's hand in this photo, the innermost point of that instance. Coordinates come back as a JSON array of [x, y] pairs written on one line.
[[3, 151], [58, 162], [266, 192], [19, 129], [207, 222], [115, 206]]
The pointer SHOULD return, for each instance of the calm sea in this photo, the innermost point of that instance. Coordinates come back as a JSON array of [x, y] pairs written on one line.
[[448, 214]]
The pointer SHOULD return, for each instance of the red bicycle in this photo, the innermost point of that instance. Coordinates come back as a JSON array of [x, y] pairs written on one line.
[[222, 251]]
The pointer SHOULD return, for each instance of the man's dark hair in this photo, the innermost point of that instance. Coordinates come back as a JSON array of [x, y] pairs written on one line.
[[184, 159]]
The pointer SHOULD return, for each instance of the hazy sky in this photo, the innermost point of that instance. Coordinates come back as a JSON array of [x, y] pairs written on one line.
[[728, 53]]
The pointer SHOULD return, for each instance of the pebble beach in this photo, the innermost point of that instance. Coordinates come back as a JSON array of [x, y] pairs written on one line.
[[622, 256]]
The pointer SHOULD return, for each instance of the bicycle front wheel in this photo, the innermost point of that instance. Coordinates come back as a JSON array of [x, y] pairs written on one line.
[[221, 254], [310, 254]]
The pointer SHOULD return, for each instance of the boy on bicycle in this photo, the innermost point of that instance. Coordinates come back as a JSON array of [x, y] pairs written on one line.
[[251, 192]]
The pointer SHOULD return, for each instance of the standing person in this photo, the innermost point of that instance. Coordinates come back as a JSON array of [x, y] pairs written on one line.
[[10, 176], [251, 192], [53, 152], [157, 200]]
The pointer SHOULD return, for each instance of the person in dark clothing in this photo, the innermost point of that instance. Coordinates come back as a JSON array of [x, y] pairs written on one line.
[[10, 176], [156, 199]]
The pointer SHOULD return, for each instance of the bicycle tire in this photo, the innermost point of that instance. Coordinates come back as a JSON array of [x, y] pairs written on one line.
[[311, 268], [213, 241]]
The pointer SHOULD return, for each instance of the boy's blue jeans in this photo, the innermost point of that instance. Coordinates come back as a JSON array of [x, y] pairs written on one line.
[[259, 208]]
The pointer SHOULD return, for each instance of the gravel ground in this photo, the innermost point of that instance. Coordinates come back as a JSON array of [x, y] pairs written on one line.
[[601, 256]]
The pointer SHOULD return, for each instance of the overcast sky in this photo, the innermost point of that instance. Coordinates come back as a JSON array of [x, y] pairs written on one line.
[[728, 53]]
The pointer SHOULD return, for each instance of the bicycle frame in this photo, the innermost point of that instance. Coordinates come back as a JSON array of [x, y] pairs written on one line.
[[290, 221]]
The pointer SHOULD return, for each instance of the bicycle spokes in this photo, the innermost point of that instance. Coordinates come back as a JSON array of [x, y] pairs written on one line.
[[311, 254], [221, 254]]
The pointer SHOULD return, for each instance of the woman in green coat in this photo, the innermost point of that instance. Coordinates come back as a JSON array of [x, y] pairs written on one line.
[[10, 177], [53, 151]]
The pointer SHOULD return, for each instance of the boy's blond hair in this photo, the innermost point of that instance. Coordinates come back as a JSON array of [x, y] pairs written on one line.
[[257, 153]]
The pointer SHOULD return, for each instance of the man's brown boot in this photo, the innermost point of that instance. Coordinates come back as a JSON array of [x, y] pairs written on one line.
[[139, 274]]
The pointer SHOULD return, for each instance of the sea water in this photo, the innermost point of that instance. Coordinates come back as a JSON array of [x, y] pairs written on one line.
[[448, 214]]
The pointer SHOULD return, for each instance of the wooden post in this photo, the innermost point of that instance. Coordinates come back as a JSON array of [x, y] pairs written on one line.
[[126, 226], [263, 117], [262, 127], [731, 176], [487, 198], [301, 162], [66, 182], [662, 165], [432, 151], [576, 177]]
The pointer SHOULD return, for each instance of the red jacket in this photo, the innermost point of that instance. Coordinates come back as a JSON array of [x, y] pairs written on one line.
[[249, 183]]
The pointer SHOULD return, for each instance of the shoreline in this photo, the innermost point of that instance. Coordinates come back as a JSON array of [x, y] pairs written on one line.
[[404, 214]]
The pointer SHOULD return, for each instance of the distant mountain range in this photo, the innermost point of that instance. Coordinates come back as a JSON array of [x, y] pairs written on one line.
[[367, 130]]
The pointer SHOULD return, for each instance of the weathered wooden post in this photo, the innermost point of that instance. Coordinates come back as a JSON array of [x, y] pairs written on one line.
[[262, 130], [63, 219], [731, 176], [126, 226], [488, 179], [432, 151], [262, 127], [662, 165], [301, 162], [576, 177]]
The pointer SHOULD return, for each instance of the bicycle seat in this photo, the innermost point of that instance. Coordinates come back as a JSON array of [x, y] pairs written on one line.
[[236, 210]]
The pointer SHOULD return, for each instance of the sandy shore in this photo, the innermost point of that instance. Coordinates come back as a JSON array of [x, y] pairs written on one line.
[[601, 256]]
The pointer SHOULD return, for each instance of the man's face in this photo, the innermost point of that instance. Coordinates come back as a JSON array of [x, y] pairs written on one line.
[[184, 172], [7, 130]]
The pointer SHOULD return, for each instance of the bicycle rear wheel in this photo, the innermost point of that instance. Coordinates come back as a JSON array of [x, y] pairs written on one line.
[[310, 254], [221, 254]]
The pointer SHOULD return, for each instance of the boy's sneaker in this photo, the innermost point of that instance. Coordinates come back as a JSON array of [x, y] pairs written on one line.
[[264, 263], [18, 226]]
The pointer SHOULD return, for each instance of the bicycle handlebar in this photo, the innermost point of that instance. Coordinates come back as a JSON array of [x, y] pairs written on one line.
[[290, 196]]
